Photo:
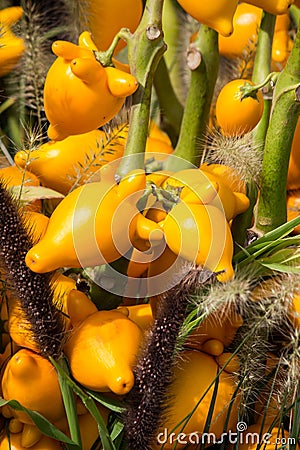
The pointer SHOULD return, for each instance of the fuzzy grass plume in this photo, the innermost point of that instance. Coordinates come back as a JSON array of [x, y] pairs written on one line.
[[153, 374], [237, 152], [32, 289]]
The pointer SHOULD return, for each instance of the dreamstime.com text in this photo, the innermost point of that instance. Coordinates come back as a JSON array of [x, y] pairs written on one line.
[[240, 436]]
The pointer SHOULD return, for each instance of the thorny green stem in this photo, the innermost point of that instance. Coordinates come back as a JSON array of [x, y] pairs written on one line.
[[295, 14], [171, 109], [261, 73], [261, 70], [279, 137], [176, 34], [203, 60], [145, 49]]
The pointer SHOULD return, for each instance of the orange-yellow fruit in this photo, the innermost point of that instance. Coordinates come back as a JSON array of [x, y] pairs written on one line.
[[102, 351], [32, 380]]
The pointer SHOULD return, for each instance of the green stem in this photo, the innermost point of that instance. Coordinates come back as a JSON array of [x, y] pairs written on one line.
[[203, 60], [177, 38], [295, 14], [145, 50], [171, 109], [69, 401], [279, 137], [105, 58], [261, 73], [261, 70]]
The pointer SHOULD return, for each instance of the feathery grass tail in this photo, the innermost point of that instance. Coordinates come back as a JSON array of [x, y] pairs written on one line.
[[153, 374], [33, 290]]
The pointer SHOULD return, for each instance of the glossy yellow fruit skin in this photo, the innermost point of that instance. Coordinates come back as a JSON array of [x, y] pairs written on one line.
[[80, 94], [246, 22], [228, 175], [73, 161], [107, 17], [200, 233], [61, 164], [139, 314], [272, 6], [102, 350], [212, 186], [89, 227], [190, 382], [235, 116], [32, 380], [11, 46], [217, 15]]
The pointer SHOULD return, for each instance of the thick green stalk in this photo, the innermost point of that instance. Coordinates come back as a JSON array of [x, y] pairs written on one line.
[[279, 137], [170, 107], [145, 49], [295, 14], [203, 60], [177, 37], [261, 70]]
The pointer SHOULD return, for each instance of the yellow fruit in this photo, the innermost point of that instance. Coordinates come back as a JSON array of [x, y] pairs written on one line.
[[102, 350], [201, 234], [32, 380], [61, 164], [221, 326], [139, 314], [15, 443], [193, 375]]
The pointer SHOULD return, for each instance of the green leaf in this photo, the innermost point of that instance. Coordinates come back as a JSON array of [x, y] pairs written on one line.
[[69, 403], [282, 268], [42, 423], [91, 407], [269, 240], [110, 403], [117, 429]]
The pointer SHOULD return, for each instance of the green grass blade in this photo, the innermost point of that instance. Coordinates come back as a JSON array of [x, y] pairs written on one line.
[[42, 424], [69, 402], [210, 410], [295, 432], [91, 407], [110, 403]]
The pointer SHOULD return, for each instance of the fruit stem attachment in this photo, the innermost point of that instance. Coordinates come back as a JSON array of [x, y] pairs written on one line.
[[145, 49], [203, 61], [248, 90], [284, 116], [105, 58]]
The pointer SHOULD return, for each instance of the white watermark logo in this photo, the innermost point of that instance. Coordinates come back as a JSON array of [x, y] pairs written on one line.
[[239, 436]]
